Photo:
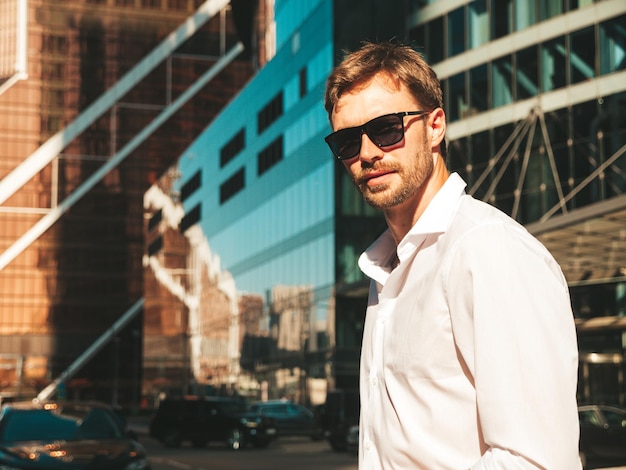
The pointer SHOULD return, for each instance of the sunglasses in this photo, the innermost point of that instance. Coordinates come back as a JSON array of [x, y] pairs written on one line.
[[383, 131]]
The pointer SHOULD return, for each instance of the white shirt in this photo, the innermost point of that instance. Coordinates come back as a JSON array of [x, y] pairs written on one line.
[[469, 356]]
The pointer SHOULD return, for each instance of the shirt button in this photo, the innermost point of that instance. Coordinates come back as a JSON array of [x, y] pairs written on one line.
[[368, 445], [374, 381]]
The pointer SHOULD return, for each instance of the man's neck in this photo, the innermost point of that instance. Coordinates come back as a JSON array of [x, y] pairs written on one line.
[[401, 218]]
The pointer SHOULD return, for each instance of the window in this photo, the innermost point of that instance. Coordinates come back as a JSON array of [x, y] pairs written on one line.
[[478, 23], [526, 77], [550, 8], [525, 14], [613, 45], [501, 18], [582, 55], [479, 95], [502, 82], [51, 44], [418, 39], [155, 219], [456, 32], [434, 42], [270, 156], [303, 82], [155, 246], [179, 5], [553, 65], [270, 113], [232, 147], [191, 185], [192, 217], [457, 102], [232, 186]]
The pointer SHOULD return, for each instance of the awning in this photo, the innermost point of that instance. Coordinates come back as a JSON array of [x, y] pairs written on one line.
[[589, 243]]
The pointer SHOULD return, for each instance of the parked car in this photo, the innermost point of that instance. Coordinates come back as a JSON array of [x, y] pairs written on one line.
[[291, 419], [602, 435], [67, 435], [352, 440], [204, 419]]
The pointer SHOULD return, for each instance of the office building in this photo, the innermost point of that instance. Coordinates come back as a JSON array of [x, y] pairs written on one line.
[[97, 99], [534, 96]]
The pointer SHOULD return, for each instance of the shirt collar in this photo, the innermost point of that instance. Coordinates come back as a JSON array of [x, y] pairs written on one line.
[[375, 261]]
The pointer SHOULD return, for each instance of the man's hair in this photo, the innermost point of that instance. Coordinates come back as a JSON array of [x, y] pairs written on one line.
[[400, 62]]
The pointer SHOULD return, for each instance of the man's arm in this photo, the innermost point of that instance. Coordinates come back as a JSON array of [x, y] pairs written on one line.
[[513, 324]]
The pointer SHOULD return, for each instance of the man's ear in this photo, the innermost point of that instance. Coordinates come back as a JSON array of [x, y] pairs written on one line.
[[437, 125]]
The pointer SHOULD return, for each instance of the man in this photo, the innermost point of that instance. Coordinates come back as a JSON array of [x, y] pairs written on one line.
[[469, 356]]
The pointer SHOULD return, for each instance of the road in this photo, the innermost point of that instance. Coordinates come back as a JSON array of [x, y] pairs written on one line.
[[285, 453]]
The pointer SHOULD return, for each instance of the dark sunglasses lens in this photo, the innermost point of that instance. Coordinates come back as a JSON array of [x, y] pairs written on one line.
[[385, 130], [345, 143]]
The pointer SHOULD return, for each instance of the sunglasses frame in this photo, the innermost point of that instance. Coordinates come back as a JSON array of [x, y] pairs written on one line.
[[363, 129]]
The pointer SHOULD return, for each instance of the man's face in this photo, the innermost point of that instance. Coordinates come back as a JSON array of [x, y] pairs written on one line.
[[386, 176]]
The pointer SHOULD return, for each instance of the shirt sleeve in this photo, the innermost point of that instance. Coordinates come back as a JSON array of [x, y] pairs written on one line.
[[513, 326]]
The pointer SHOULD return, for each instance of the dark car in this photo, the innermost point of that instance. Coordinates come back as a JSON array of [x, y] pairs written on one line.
[[291, 419], [602, 435], [67, 435], [339, 415], [200, 420]]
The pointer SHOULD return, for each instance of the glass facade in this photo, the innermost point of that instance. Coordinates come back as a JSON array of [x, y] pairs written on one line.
[[275, 234], [536, 124], [76, 280]]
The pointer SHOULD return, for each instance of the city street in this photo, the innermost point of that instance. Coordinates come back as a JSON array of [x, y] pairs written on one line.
[[286, 453]]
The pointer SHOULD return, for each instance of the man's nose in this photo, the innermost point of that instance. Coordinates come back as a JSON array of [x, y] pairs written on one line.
[[369, 150]]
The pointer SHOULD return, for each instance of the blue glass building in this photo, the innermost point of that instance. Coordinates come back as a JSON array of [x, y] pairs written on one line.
[[534, 94]]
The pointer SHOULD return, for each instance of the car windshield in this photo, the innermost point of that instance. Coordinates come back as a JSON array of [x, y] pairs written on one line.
[[57, 424], [615, 418]]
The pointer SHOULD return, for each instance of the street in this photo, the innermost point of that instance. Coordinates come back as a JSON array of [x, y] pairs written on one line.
[[286, 453]]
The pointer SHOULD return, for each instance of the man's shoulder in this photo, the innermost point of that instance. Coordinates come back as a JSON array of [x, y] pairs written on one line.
[[482, 225], [472, 213]]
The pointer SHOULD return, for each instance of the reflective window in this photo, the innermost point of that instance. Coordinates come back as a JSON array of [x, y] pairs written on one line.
[[612, 48], [232, 148], [456, 32], [270, 155], [270, 113], [502, 83], [479, 94], [232, 186], [527, 73], [480, 155], [190, 218], [457, 100], [574, 4], [434, 51], [503, 147], [478, 23], [553, 68], [457, 159], [417, 36], [525, 15], [501, 18], [551, 8], [582, 55], [191, 185]]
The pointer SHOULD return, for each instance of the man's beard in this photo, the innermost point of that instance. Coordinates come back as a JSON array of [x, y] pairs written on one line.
[[412, 179]]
